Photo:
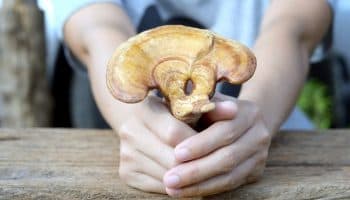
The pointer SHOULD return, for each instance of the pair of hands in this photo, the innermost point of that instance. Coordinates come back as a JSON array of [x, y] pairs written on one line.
[[160, 154]]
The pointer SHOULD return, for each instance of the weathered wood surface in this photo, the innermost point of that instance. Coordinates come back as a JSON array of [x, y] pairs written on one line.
[[82, 164], [24, 97]]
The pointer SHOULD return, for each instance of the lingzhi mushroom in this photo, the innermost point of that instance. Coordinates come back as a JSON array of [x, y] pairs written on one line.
[[184, 63]]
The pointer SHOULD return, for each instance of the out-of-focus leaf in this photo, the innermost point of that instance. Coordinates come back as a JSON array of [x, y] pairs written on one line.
[[316, 102]]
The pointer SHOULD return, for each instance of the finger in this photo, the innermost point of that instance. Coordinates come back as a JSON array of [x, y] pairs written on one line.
[[156, 150], [146, 183], [256, 174], [161, 122], [224, 110], [151, 168], [219, 162], [137, 162], [221, 183], [170, 130], [217, 135], [145, 142]]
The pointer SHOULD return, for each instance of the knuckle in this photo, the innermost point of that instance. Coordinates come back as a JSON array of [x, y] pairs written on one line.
[[230, 182], [262, 159], [173, 129], [255, 176], [228, 162], [227, 182], [265, 137], [125, 156], [172, 163], [171, 134], [229, 137], [253, 179], [124, 173], [124, 132]]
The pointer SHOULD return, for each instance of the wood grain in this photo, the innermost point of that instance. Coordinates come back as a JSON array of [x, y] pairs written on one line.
[[82, 164]]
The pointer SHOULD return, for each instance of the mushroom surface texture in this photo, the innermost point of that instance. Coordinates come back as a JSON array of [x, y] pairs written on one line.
[[184, 63]]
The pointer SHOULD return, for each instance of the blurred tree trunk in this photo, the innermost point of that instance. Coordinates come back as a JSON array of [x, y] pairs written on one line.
[[24, 97]]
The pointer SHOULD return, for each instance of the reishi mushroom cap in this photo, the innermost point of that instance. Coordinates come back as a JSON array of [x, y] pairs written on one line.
[[184, 63]]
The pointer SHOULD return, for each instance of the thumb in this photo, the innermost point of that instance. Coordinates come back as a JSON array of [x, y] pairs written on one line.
[[224, 110]]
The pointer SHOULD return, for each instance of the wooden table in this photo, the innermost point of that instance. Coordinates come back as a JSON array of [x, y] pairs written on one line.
[[82, 164]]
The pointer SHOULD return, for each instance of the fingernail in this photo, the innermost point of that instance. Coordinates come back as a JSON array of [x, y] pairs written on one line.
[[171, 180], [229, 104], [182, 154]]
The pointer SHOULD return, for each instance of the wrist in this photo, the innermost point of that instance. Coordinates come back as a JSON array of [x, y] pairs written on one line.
[[270, 116]]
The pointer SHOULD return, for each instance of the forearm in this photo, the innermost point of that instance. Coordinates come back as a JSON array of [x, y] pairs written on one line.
[[93, 34], [100, 54], [286, 40], [281, 70]]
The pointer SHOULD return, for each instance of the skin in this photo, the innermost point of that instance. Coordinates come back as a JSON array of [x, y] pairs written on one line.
[[169, 156]]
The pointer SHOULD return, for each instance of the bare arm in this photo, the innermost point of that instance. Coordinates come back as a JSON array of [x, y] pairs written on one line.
[[233, 152], [289, 32], [227, 154], [93, 33]]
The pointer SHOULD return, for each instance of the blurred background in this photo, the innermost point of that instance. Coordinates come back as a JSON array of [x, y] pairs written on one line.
[[326, 95], [36, 79]]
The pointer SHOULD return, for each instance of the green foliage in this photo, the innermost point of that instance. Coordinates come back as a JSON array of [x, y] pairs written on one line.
[[316, 102]]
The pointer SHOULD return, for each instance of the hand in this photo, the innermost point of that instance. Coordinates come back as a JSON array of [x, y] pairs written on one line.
[[227, 154], [147, 141]]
